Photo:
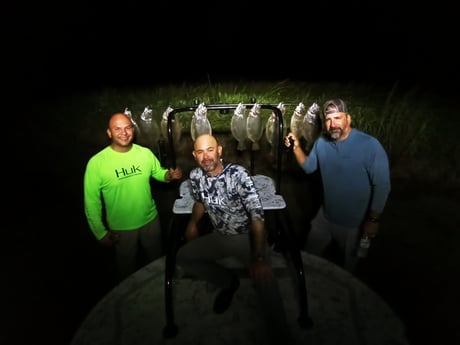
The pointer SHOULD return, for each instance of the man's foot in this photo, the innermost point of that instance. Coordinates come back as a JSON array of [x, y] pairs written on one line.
[[225, 296]]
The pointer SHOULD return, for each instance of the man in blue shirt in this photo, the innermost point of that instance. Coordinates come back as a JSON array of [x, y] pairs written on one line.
[[355, 175]]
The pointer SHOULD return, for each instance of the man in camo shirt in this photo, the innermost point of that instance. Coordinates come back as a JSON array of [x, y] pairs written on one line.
[[226, 192]]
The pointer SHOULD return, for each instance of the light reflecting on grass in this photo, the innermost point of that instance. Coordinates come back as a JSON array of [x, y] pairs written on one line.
[[409, 123]]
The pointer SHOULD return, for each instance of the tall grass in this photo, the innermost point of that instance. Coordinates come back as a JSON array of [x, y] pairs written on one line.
[[409, 124]]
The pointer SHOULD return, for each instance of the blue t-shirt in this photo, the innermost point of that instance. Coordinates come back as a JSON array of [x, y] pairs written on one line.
[[355, 175], [230, 198]]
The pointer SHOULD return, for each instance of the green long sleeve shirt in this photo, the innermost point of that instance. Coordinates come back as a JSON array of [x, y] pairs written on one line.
[[120, 182]]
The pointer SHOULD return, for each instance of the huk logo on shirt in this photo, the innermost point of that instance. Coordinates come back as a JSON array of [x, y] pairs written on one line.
[[134, 170], [213, 200]]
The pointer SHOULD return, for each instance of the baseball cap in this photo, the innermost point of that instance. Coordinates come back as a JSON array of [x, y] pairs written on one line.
[[335, 106]]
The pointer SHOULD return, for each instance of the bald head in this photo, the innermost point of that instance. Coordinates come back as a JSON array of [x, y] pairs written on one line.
[[117, 118], [121, 132], [204, 141]]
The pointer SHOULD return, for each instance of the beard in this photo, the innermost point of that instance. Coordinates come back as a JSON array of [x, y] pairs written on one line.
[[335, 133], [209, 165]]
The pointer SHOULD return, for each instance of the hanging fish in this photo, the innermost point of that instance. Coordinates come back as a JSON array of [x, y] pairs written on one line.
[[200, 123], [130, 115], [238, 127], [146, 115], [176, 128], [311, 126], [148, 129], [297, 120], [272, 126], [254, 127]]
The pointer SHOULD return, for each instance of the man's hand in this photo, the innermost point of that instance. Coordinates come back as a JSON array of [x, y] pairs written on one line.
[[173, 174], [371, 229], [109, 239], [291, 141]]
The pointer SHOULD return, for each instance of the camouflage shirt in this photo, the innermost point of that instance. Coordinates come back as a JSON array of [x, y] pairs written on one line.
[[230, 198]]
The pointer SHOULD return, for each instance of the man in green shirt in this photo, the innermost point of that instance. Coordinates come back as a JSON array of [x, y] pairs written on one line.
[[119, 206]]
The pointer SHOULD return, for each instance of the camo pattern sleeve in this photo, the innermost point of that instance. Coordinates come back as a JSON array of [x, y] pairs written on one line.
[[231, 199]]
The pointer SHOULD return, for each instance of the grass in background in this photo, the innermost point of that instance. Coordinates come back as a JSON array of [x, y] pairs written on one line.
[[411, 125]]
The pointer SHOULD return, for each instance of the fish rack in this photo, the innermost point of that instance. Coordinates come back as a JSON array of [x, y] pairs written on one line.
[[284, 239], [224, 109]]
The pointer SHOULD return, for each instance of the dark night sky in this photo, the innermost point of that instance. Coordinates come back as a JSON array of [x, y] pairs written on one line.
[[78, 44]]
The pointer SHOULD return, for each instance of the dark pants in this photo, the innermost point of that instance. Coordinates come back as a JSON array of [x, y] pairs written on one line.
[[199, 258], [321, 234], [145, 241]]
